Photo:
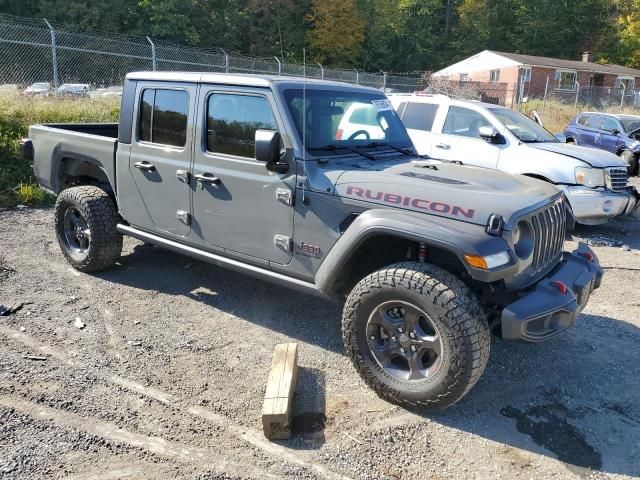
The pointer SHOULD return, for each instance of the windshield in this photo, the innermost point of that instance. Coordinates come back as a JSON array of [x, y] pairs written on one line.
[[630, 124], [343, 119], [523, 127]]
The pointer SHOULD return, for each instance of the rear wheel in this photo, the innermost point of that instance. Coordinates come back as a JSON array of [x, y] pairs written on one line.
[[85, 222], [416, 334]]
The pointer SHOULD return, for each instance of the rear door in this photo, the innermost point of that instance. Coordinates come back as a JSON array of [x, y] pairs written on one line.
[[161, 154], [590, 131], [609, 138], [418, 120], [460, 140], [248, 210]]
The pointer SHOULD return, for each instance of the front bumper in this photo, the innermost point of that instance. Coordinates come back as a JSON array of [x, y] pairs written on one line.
[[592, 207], [546, 310]]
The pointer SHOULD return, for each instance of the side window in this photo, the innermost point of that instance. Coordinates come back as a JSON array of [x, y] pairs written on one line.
[[582, 119], [163, 117], [609, 125], [594, 122], [419, 116], [232, 121], [464, 122]]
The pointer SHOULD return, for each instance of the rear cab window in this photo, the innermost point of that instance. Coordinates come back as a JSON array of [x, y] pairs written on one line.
[[419, 116], [163, 117]]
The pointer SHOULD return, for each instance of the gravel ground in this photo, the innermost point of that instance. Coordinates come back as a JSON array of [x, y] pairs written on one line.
[[167, 378]]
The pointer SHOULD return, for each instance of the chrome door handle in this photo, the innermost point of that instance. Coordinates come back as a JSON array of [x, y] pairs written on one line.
[[443, 146], [208, 178], [145, 166]]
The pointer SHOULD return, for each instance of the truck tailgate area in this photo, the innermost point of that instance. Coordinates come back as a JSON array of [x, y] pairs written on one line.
[[79, 146]]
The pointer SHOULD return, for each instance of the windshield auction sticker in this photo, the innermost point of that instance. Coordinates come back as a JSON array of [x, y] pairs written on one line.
[[382, 104]]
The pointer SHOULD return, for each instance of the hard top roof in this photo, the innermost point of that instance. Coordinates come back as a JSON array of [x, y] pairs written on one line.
[[244, 79], [439, 98]]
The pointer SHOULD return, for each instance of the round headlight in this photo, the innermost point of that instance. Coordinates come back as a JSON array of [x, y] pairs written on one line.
[[523, 240]]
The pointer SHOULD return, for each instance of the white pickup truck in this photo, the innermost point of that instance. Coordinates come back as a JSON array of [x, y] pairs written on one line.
[[491, 136]]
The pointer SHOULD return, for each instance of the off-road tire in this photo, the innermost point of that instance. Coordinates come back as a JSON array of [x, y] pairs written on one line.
[[101, 215], [454, 309]]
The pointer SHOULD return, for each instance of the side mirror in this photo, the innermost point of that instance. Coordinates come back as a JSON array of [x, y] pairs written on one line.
[[267, 144], [615, 131], [490, 134]]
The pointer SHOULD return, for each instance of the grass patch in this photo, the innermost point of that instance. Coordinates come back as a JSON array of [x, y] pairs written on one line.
[[557, 115], [17, 112]]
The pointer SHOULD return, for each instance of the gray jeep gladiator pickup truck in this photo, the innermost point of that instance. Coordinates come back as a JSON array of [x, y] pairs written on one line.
[[254, 173]]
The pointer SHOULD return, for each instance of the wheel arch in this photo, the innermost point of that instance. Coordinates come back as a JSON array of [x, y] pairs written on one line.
[[77, 169], [378, 238]]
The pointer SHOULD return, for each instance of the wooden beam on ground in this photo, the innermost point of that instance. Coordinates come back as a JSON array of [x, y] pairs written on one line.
[[278, 397]]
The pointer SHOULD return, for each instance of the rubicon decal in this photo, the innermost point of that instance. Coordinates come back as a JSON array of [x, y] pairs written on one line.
[[405, 201]]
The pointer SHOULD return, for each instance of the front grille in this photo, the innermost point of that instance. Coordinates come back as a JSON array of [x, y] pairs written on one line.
[[616, 179], [549, 226]]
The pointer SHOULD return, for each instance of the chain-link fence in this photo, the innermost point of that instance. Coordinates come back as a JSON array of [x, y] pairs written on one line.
[[34, 51]]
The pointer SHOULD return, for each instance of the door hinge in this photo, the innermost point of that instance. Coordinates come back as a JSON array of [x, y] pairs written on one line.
[[184, 217], [183, 176], [283, 242], [284, 195]]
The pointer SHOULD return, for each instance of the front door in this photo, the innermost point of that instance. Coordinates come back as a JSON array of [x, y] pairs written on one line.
[[460, 139], [238, 204], [609, 135], [161, 153]]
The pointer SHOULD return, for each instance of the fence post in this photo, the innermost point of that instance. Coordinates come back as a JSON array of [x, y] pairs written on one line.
[[279, 65], [226, 60], [575, 105], [321, 71], [357, 76], [622, 92], [544, 100], [54, 56], [384, 82], [153, 54]]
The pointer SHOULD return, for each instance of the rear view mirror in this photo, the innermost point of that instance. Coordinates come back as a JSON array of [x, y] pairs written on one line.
[[267, 148], [490, 134]]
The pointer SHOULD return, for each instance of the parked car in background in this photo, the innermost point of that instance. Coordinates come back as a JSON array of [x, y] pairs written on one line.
[[112, 92], [618, 134], [38, 89], [491, 136], [74, 89]]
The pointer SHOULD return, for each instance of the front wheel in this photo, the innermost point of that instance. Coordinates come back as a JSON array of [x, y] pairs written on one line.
[[416, 334], [85, 220]]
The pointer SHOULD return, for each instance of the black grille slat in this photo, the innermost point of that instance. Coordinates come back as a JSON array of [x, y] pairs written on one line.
[[548, 227]]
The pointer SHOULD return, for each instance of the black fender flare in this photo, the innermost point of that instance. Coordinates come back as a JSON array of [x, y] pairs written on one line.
[[455, 236]]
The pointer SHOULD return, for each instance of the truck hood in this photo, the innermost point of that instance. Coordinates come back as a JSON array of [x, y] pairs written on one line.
[[591, 156], [465, 193]]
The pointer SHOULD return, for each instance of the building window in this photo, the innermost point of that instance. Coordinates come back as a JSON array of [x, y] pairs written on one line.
[[526, 74], [566, 80], [628, 83], [494, 75], [163, 117], [464, 77]]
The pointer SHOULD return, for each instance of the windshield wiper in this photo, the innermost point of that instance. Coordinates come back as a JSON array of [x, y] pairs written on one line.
[[384, 144], [332, 148]]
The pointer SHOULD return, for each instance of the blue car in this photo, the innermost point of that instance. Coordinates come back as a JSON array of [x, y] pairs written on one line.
[[619, 134]]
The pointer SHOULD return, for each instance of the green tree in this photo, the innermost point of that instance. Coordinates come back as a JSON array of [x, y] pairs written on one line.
[[337, 32]]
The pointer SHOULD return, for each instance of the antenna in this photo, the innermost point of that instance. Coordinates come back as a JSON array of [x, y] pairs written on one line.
[[305, 201]]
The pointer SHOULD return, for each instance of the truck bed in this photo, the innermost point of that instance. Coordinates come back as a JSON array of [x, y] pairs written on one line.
[[71, 148]]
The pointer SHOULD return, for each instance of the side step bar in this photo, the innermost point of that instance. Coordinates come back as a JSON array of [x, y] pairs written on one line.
[[220, 261]]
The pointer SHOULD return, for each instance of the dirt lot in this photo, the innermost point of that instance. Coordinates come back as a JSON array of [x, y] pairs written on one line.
[[166, 380]]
